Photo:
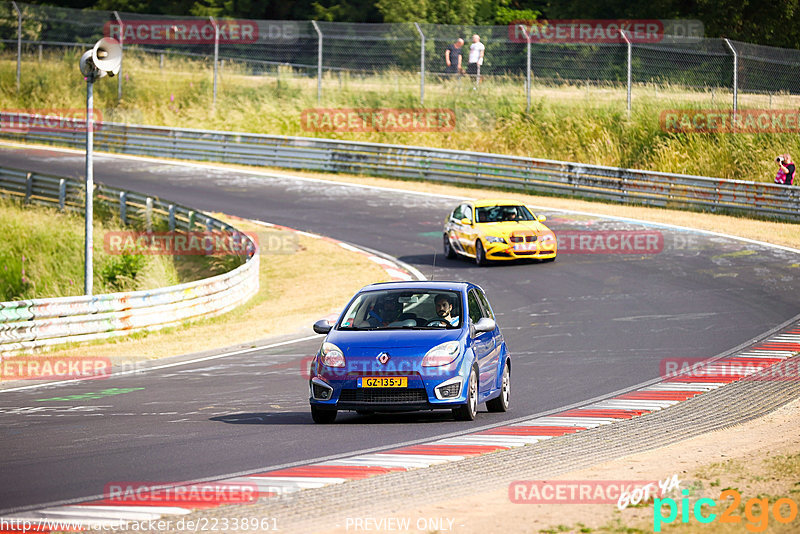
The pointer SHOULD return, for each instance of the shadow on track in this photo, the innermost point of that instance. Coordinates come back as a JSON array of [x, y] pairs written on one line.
[[304, 418], [440, 261]]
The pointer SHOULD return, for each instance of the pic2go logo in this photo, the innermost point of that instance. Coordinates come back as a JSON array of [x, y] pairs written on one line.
[[756, 511]]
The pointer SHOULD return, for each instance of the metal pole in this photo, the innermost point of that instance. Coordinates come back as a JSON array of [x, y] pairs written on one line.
[[216, 57], [119, 74], [19, 41], [421, 65], [527, 69], [89, 216], [735, 77], [630, 77], [319, 61]]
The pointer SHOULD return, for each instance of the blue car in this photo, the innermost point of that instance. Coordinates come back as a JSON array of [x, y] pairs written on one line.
[[404, 346]]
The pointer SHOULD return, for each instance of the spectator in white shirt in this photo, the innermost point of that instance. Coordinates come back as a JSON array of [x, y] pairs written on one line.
[[476, 50]]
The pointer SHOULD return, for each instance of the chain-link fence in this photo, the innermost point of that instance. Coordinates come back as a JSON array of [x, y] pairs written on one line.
[[410, 57]]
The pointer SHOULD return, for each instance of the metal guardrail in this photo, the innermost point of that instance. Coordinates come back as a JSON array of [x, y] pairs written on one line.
[[628, 186], [28, 324]]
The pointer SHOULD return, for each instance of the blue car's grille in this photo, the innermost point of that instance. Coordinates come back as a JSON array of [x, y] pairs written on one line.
[[383, 395]]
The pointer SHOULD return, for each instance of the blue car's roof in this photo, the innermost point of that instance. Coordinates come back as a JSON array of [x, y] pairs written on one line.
[[419, 284]]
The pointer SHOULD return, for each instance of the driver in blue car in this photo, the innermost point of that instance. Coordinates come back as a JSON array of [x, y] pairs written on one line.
[[386, 311], [444, 309]]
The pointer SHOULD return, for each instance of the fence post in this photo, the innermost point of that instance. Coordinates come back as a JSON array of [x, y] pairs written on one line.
[[319, 61], [148, 214], [628, 42], [172, 217], [421, 65], [62, 193], [209, 232], [123, 207], [19, 41], [121, 39], [216, 57], [28, 187], [527, 69], [735, 78]]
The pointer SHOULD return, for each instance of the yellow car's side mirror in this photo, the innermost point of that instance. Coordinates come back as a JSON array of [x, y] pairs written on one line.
[[466, 222], [542, 218]]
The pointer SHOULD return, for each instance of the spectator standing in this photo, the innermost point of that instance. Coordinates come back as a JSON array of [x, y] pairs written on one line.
[[786, 168], [476, 51], [452, 57]]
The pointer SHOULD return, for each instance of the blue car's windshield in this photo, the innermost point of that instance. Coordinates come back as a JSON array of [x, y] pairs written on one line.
[[406, 309]]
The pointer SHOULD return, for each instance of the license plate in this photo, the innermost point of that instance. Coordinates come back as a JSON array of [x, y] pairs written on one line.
[[383, 382], [525, 246]]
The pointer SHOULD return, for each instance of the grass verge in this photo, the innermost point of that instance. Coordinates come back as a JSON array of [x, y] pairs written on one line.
[[569, 122], [38, 262]]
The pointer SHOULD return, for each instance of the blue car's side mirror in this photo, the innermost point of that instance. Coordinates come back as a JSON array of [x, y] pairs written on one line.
[[485, 324], [322, 326]]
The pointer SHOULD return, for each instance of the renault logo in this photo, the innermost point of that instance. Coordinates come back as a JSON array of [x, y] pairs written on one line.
[[383, 357]]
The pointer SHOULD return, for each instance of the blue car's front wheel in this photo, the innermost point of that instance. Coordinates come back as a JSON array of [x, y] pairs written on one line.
[[468, 411], [501, 403], [322, 417]]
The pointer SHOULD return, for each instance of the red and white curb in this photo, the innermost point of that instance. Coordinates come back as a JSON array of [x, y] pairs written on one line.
[[669, 392]]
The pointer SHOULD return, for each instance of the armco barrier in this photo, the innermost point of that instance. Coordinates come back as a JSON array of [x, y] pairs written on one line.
[[627, 186], [28, 324]]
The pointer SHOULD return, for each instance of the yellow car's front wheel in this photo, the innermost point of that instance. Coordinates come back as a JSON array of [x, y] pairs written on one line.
[[480, 254], [449, 252]]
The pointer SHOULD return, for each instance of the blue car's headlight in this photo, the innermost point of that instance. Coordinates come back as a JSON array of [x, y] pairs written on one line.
[[332, 356], [494, 239], [441, 354]]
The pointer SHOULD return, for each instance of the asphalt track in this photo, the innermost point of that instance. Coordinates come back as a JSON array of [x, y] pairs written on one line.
[[583, 326]]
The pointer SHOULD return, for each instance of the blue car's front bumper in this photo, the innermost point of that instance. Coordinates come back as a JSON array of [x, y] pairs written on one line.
[[338, 389]]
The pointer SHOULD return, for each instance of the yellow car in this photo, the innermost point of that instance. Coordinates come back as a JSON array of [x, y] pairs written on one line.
[[497, 230]]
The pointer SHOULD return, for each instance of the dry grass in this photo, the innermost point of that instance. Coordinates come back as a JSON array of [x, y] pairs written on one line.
[[569, 122]]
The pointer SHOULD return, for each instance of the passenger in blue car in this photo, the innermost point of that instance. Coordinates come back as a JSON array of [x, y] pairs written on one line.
[[444, 309], [386, 311]]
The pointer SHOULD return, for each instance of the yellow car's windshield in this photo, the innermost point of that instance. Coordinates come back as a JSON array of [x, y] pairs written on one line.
[[490, 214]]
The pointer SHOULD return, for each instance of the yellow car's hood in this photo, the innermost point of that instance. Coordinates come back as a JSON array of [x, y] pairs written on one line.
[[509, 227]]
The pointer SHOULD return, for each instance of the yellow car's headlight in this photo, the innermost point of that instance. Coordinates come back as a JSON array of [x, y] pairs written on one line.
[[494, 239], [547, 238]]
